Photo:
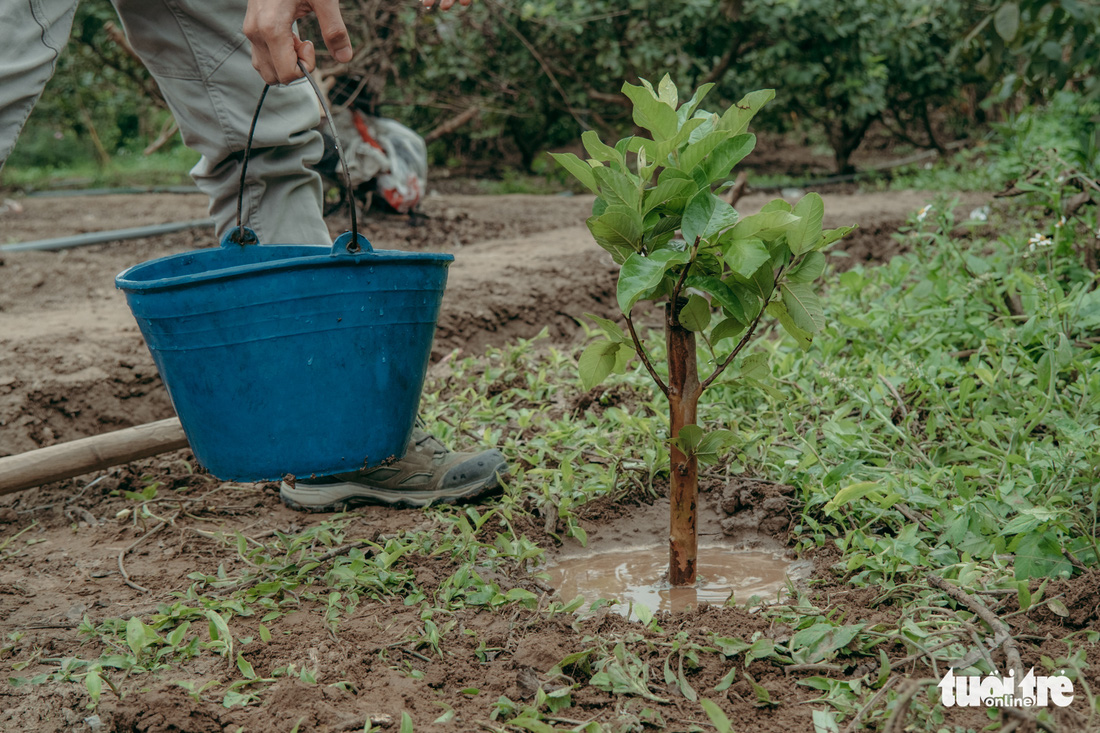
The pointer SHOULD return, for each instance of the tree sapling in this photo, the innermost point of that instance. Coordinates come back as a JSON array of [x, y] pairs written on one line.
[[717, 279]]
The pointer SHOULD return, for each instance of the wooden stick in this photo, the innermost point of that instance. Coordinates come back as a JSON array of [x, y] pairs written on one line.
[[1002, 633], [95, 453]]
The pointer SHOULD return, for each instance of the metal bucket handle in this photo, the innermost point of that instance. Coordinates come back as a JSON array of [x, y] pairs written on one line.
[[242, 235]]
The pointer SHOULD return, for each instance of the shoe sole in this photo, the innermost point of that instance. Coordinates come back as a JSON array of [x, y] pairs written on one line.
[[353, 495]]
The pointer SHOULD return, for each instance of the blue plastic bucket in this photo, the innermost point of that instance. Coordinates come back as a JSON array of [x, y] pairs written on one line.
[[290, 359]]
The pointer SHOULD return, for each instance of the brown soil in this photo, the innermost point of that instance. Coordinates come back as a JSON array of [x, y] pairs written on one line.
[[73, 364]]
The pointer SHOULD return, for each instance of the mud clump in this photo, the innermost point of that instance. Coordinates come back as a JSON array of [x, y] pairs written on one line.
[[752, 505]]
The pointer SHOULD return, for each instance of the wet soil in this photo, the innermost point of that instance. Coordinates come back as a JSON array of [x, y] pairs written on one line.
[[72, 364]]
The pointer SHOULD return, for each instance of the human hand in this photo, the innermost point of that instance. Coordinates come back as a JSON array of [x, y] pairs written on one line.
[[444, 4], [276, 49]]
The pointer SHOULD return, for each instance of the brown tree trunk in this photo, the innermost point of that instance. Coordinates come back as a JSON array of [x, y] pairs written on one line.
[[683, 400]]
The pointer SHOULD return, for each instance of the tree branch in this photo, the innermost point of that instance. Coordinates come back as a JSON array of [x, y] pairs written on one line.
[[736, 350], [645, 356], [546, 70], [1002, 633]]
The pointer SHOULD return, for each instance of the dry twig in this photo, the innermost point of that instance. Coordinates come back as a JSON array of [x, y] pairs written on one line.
[[896, 723], [135, 543], [1002, 633]]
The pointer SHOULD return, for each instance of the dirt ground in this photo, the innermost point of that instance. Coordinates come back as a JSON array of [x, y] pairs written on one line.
[[72, 364]]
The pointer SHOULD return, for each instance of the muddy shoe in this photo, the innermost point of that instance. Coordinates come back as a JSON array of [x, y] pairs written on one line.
[[428, 474]]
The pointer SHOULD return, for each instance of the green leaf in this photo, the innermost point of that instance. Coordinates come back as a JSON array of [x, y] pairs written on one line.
[[245, 667], [661, 235], [176, 636], [728, 328], [776, 205], [666, 148], [736, 119], [823, 640], [705, 216], [744, 256], [94, 684], [849, 494], [695, 153], [804, 306], [578, 169], [1039, 555], [601, 151], [597, 362], [727, 680], [618, 230], [803, 338], [406, 723], [809, 269], [1045, 370], [713, 445], [218, 626], [803, 234], [666, 92], [232, 697], [685, 687], [532, 724], [755, 366], [763, 697], [765, 221], [619, 188], [825, 722], [673, 194], [695, 315], [609, 327], [652, 114], [728, 154], [688, 439], [720, 293], [135, 635], [641, 275], [830, 236], [265, 634], [1006, 21], [688, 108], [1023, 595]]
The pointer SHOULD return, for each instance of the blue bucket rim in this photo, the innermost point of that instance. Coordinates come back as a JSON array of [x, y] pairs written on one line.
[[129, 280]]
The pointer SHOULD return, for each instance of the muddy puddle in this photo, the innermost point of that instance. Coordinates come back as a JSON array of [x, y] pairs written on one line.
[[638, 576]]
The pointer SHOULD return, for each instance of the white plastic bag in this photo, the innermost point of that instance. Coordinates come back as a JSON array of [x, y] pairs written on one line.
[[386, 152]]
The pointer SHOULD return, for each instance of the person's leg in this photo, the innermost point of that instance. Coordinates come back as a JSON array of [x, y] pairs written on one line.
[[32, 35], [202, 63]]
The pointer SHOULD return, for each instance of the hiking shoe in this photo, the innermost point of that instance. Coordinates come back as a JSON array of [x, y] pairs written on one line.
[[428, 474]]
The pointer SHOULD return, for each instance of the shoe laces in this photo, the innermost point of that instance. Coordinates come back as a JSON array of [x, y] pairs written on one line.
[[430, 442]]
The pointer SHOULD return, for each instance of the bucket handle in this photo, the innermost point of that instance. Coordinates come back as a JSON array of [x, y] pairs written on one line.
[[350, 242]]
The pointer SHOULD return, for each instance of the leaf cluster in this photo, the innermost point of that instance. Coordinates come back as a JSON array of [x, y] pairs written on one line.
[[660, 214]]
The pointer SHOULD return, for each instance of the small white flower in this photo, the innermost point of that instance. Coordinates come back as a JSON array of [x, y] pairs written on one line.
[[1038, 240], [923, 213], [1060, 223]]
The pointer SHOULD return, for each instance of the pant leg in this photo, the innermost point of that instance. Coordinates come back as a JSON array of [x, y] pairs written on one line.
[[202, 62], [32, 35]]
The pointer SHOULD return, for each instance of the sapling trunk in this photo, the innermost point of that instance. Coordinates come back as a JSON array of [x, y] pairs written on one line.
[[684, 390]]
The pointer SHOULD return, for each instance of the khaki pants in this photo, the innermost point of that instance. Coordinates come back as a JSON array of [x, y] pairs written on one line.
[[202, 63]]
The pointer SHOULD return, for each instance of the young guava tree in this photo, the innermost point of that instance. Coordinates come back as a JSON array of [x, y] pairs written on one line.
[[659, 212]]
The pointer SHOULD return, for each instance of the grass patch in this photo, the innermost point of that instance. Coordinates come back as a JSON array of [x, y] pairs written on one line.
[[942, 430], [167, 168]]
